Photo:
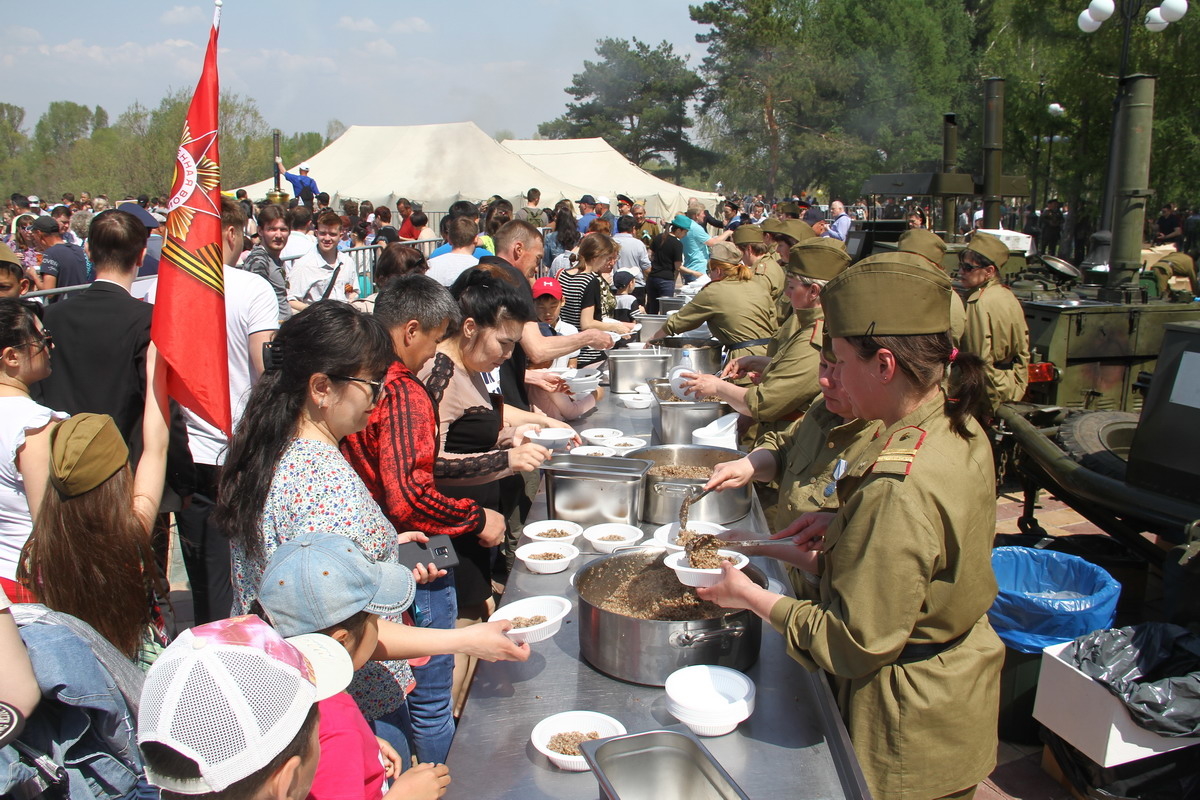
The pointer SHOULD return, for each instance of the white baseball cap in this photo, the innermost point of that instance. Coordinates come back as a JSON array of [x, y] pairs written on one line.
[[232, 695], [603, 200], [303, 166]]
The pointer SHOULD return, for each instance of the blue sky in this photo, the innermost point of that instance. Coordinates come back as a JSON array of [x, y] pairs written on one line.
[[502, 65]]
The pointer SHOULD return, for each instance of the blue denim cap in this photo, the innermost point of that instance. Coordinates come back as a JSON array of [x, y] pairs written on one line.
[[319, 580]]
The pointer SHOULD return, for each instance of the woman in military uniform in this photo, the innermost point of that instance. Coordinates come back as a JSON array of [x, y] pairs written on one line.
[[927, 244], [898, 615], [995, 329], [737, 308], [763, 259], [788, 381]]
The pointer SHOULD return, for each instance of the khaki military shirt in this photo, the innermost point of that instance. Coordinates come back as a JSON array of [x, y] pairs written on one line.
[[907, 560], [648, 231], [789, 383], [958, 319], [770, 270], [736, 312], [996, 331]]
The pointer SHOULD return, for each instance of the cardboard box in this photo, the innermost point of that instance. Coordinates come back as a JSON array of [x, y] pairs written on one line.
[[1090, 717]]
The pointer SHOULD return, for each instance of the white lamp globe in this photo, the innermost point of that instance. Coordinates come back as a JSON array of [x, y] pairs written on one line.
[[1056, 109], [1087, 23], [1101, 10], [1173, 10], [1154, 21]]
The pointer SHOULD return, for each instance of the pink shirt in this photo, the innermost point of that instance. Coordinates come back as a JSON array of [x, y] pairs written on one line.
[[349, 768]]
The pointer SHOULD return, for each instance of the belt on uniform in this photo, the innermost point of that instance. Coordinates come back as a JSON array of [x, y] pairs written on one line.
[[1003, 364], [751, 343], [923, 651]]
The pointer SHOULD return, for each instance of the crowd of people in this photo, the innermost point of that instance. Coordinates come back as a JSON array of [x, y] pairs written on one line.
[[372, 414]]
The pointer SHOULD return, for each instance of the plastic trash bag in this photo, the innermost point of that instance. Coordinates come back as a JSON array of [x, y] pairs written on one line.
[[1153, 667], [1048, 598]]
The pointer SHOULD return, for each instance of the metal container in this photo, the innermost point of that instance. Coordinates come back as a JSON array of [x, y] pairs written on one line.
[[674, 420], [664, 496], [594, 489], [669, 764], [628, 368], [675, 303], [647, 651], [702, 355], [652, 325]]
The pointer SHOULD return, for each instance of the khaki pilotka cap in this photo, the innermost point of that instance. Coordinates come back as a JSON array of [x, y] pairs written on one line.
[[924, 243], [989, 247], [725, 253], [85, 451], [7, 254], [820, 259], [747, 234], [890, 294], [798, 229]]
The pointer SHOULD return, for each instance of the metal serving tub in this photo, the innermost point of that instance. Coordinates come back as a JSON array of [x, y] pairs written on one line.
[[674, 420], [594, 489], [652, 325], [665, 495], [628, 368], [675, 303], [704, 355], [647, 651], [668, 764]]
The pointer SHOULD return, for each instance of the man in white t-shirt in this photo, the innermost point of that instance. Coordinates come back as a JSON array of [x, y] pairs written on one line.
[[251, 319], [300, 241], [326, 272], [460, 234]]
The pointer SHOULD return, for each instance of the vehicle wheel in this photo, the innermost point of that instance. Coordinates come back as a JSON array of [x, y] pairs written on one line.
[[1099, 440]]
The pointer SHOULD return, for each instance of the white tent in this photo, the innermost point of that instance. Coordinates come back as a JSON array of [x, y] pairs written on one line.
[[433, 164], [595, 164]]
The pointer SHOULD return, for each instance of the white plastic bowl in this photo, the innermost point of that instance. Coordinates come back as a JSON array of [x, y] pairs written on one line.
[[551, 438], [567, 721], [600, 437], [593, 450], [665, 534], [700, 578], [534, 531], [710, 693], [630, 534], [547, 567], [636, 345], [553, 608], [636, 400], [701, 728], [676, 380], [582, 381], [626, 444]]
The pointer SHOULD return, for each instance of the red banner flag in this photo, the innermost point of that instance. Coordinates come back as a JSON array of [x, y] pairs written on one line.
[[189, 309]]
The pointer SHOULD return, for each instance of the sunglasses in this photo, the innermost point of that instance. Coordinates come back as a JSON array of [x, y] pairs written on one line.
[[376, 386], [967, 266], [45, 343]]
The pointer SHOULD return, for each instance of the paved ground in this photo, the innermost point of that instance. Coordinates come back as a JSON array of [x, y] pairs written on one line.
[[1019, 774]]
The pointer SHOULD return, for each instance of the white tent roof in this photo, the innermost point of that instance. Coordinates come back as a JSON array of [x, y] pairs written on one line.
[[595, 164], [433, 164]]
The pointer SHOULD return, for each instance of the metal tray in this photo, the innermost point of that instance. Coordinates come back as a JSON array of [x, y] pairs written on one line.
[[593, 489], [667, 764]]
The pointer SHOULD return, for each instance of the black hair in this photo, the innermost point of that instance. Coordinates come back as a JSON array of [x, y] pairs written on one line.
[[299, 217], [329, 337], [463, 208], [165, 760], [416, 297], [270, 213], [923, 358], [489, 297], [16, 321], [15, 270], [566, 229], [626, 224], [419, 219]]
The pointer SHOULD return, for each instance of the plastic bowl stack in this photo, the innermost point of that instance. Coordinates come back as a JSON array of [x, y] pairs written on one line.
[[710, 700], [582, 381], [549, 606]]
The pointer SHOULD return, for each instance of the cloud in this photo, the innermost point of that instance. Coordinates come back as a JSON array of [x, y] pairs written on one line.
[[182, 15], [379, 47], [364, 25], [410, 25]]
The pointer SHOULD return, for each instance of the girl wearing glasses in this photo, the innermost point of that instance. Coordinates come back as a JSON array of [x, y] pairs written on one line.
[[24, 433]]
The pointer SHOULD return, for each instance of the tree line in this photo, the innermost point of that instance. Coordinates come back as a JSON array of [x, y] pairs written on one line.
[[74, 148], [820, 94]]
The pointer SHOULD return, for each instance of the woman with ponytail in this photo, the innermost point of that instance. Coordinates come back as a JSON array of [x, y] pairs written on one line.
[[895, 607]]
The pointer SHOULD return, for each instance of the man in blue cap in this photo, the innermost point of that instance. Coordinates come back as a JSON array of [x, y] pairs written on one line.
[[304, 187]]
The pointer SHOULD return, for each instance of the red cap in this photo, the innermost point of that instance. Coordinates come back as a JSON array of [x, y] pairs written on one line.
[[549, 286]]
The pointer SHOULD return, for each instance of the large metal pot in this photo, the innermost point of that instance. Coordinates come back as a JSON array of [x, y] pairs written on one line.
[[675, 303], [628, 368], [674, 420], [702, 355], [665, 495], [648, 651]]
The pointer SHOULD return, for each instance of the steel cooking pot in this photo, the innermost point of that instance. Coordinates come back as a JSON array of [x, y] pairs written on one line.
[[702, 355], [646, 651], [673, 420], [665, 495]]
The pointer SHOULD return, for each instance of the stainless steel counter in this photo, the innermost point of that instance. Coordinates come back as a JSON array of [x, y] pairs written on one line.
[[794, 745]]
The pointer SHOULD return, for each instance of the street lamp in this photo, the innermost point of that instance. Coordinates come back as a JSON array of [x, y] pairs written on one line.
[[1089, 21]]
